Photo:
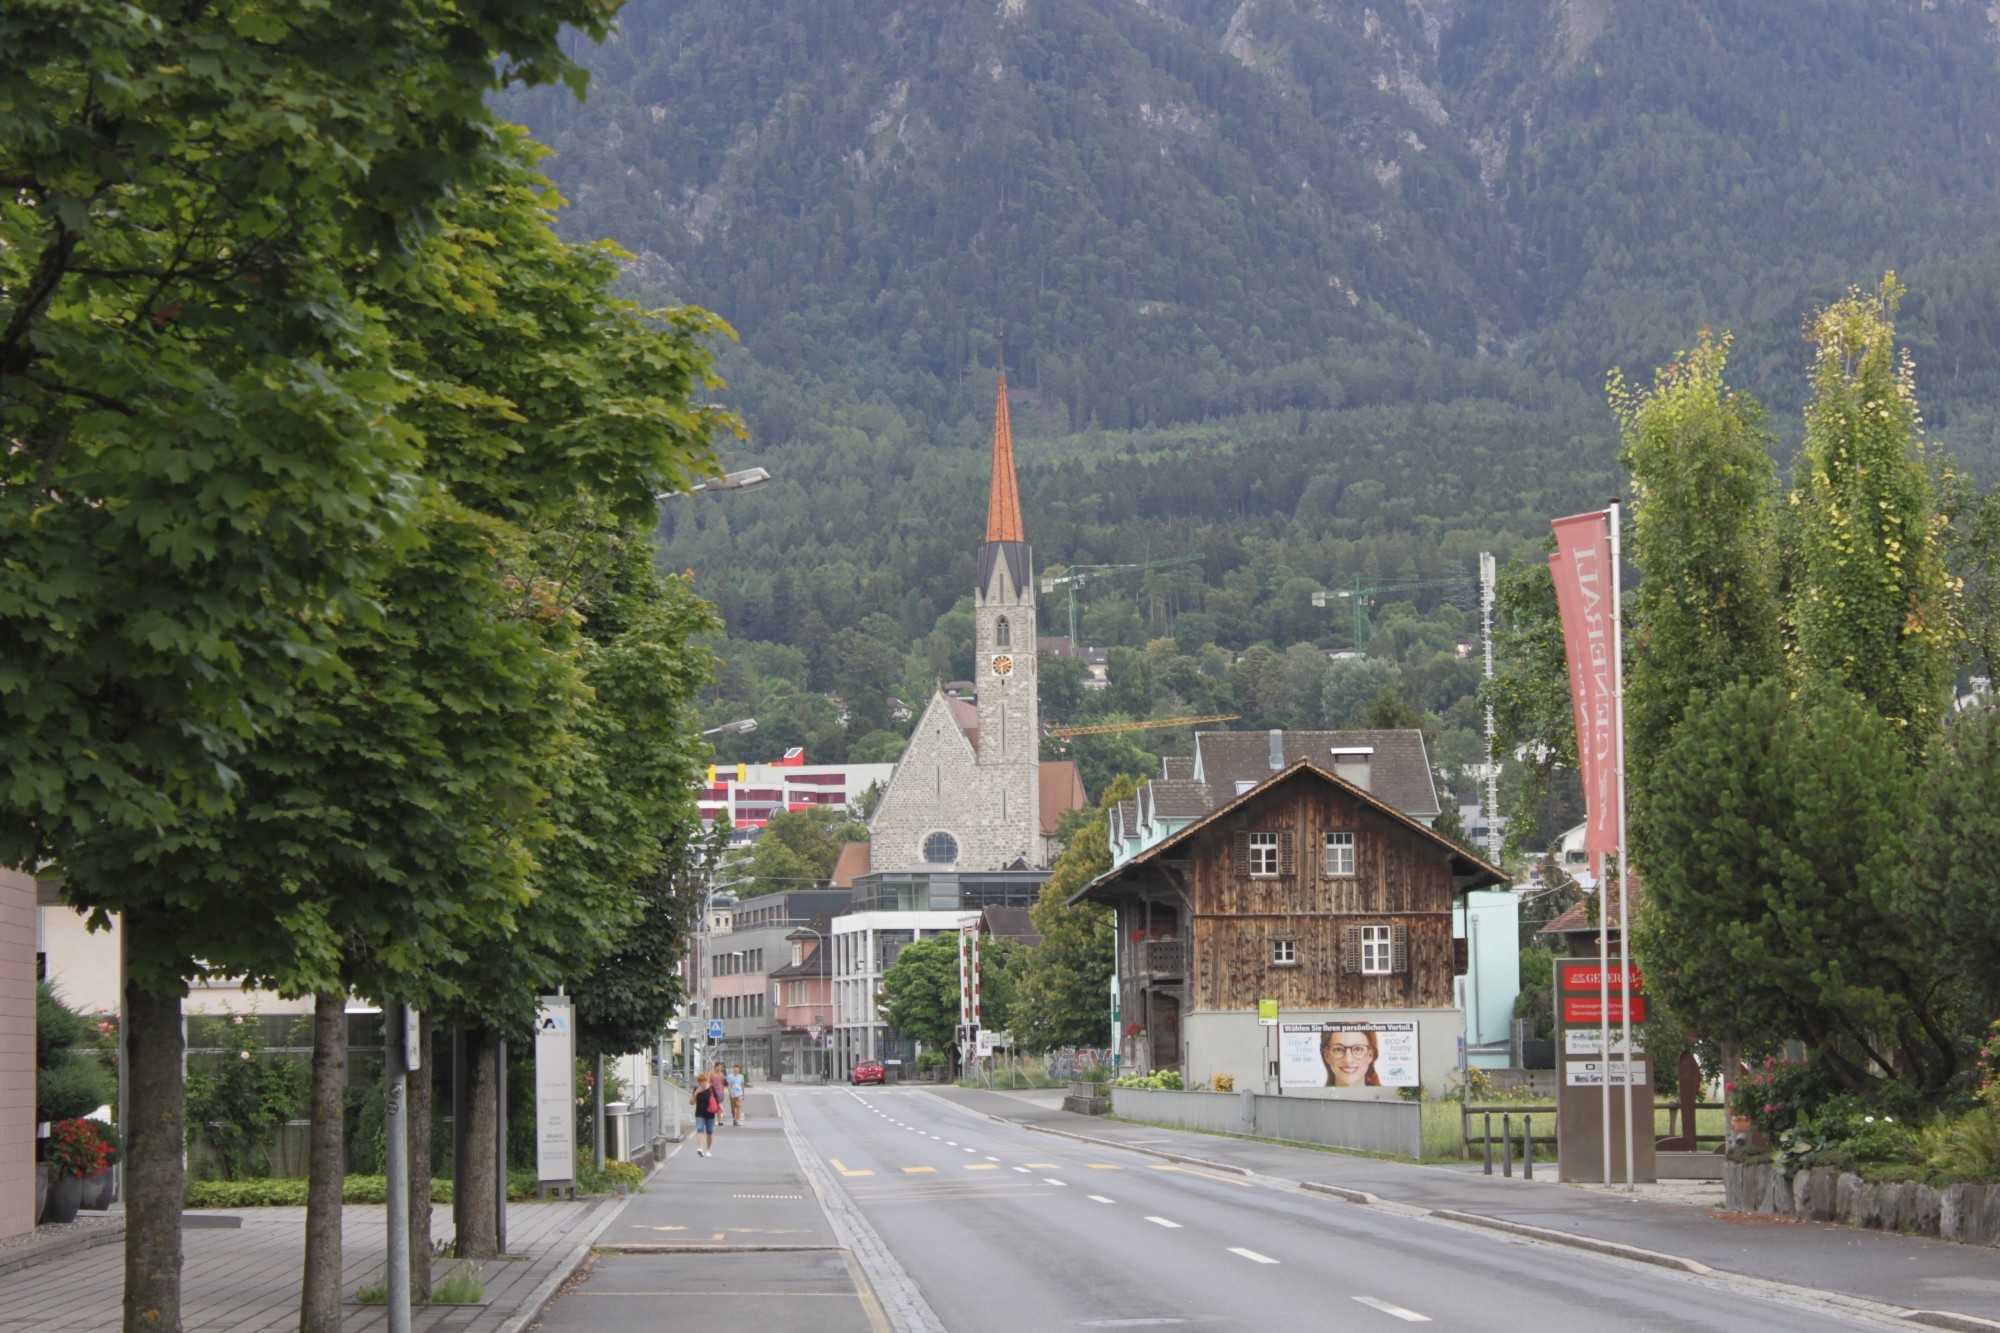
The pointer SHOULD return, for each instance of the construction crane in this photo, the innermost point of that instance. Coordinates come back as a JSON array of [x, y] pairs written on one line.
[[1075, 576], [1064, 733], [1359, 597]]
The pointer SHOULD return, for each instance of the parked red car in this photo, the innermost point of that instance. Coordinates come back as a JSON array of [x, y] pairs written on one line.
[[868, 1071]]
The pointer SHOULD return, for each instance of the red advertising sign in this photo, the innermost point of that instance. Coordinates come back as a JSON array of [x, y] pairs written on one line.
[[1581, 1012], [1581, 567], [1584, 977]]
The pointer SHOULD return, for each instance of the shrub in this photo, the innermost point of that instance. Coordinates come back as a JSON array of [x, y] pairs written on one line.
[[615, 1175], [1965, 1150], [291, 1193], [460, 1287], [1166, 1080], [76, 1149], [1223, 1083], [68, 1082], [1778, 1094]]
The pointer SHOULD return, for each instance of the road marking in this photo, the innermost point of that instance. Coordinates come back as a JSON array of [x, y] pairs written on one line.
[[1407, 1316], [1205, 1175], [993, 1159], [1051, 1180], [640, 1226], [1252, 1255], [1099, 1198], [1163, 1222], [835, 1161], [917, 1170], [951, 1143], [963, 1149], [981, 1166], [1045, 1166], [1103, 1166], [1022, 1169]]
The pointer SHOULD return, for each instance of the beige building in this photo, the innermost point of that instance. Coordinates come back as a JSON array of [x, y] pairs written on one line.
[[17, 1053]]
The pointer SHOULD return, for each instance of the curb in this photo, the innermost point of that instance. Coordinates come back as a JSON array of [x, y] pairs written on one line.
[[1949, 1319], [545, 1290], [1613, 1248], [41, 1249]]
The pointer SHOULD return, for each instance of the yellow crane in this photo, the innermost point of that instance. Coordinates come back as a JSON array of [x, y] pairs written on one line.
[[1064, 733]]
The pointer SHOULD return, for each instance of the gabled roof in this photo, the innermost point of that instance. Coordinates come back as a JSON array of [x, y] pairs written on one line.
[[965, 714], [1061, 789], [1175, 766], [856, 858], [1010, 923], [1575, 920], [1464, 863], [1399, 769], [1174, 798]]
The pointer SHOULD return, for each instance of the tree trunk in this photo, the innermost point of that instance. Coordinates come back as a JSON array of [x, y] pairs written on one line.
[[319, 1303], [155, 1136], [473, 1201], [420, 1167]]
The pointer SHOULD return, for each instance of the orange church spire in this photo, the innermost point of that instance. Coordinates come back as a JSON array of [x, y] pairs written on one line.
[[1003, 502]]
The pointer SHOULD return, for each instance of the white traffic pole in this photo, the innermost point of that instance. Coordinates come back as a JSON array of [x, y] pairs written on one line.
[[1624, 878], [396, 1163]]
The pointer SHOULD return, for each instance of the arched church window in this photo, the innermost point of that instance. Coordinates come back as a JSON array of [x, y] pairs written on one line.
[[941, 849], [1001, 637]]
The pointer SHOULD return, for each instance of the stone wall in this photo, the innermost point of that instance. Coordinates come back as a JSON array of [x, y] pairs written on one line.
[[17, 1053], [1968, 1213]]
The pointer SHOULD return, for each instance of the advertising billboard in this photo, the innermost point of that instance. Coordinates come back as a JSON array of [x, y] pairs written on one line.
[[1347, 1053]]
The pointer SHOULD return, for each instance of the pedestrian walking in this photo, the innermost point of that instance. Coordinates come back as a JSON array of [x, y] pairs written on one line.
[[706, 1108], [718, 1082], [735, 1084]]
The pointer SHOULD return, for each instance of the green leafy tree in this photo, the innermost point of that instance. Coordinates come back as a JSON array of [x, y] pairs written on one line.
[[1781, 836], [1954, 899], [1870, 610], [920, 992], [1063, 993]]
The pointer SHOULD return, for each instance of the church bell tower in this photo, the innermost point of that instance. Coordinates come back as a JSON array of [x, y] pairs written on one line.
[[1004, 665]]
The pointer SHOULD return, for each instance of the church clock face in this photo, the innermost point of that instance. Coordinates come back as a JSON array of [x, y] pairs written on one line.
[[1003, 664]]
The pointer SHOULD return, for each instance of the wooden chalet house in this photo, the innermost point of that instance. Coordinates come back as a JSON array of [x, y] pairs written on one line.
[[1302, 884]]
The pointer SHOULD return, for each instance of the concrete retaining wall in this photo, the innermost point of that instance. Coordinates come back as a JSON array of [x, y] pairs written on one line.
[[1968, 1213], [1368, 1126]]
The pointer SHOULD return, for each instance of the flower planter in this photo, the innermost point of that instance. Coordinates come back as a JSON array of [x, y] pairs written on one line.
[[65, 1197], [97, 1190], [41, 1190]]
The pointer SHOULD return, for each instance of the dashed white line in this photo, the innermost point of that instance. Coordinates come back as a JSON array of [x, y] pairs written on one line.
[[993, 1159], [1252, 1255], [1407, 1316], [951, 1143], [1163, 1222], [1099, 1198], [1022, 1169], [1051, 1180]]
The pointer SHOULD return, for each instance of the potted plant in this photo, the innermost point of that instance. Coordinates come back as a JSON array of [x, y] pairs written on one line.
[[99, 1187], [76, 1153], [41, 1190]]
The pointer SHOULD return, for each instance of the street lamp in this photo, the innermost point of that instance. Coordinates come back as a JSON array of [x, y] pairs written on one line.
[[742, 726]]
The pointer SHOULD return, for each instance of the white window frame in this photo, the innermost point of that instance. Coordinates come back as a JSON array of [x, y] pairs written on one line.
[[1284, 953], [1263, 852], [1340, 855], [1378, 951]]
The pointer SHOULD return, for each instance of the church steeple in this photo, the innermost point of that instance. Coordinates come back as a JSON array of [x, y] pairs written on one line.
[[1003, 497]]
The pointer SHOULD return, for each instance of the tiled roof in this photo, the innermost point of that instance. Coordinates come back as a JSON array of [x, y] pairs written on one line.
[[966, 714], [856, 858], [1003, 497], [1576, 919], [1061, 791], [1178, 766], [1179, 799], [1011, 923], [1125, 816], [1399, 770]]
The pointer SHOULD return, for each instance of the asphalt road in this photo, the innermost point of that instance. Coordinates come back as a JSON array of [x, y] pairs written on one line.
[[1002, 1229]]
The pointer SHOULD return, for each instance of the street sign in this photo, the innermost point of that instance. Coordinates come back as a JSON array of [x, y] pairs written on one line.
[[816, 1030], [555, 1091], [1267, 1013], [1586, 1009], [715, 1029]]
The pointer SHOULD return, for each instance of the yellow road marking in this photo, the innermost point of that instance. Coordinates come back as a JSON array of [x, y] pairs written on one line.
[[981, 1166], [844, 1170], [917, 1170], [1103, 1166], [1205, 1175], [1043, 1166], [642, 1227]]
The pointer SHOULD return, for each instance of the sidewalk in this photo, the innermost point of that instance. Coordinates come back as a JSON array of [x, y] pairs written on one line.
[[244, 1278], [1910, 1272], [735, 1240]]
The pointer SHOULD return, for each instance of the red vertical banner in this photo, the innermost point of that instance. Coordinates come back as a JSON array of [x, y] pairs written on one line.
[[1583, 572]]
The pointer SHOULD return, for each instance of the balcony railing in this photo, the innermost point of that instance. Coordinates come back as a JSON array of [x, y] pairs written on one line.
[[1163, 960]]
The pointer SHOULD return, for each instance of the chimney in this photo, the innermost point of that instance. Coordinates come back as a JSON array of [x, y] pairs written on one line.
[[1351, 763], [1277, 749]]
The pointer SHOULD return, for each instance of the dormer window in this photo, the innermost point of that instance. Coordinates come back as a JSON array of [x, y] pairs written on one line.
[[1002, 636]]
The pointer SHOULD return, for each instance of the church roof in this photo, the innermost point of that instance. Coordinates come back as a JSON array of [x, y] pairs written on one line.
[[966, 714], [854, 859], [1003, 497]]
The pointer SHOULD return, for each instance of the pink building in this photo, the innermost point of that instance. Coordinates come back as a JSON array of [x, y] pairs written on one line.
[[802, 999]]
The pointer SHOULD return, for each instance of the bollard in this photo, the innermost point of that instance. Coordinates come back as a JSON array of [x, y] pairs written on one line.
[[1507, 1145], [1527, 1147], [1489, 1143]]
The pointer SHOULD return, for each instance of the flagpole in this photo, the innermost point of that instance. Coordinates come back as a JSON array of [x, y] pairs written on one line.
[[1624, 905]]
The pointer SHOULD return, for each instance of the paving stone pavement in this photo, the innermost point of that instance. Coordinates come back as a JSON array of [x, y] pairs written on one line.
[[246, 1280]]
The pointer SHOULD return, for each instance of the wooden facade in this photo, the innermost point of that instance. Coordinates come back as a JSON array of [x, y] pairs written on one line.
[[1247, 904]]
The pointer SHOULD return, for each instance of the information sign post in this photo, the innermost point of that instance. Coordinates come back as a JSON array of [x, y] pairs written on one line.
[[1587, 1074], [555, 1093]]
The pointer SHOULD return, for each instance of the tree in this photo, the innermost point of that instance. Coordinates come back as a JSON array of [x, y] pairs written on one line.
[[1954, 899], [1351, 686], [920, 991], [203, 468], [1063, 992], [1781, 836], [1870, 608]]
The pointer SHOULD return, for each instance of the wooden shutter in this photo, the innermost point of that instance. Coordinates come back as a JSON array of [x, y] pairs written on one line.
[[1350, 949], [1461, 957], [1399, 949], [1288, 861], [1242, 852]]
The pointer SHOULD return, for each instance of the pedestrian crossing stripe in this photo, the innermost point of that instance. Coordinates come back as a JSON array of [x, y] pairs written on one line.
[[1103, 1166], [981, 1166], [918, 1170]]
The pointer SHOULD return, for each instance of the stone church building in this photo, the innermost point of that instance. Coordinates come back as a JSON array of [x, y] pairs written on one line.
[[971, 791]]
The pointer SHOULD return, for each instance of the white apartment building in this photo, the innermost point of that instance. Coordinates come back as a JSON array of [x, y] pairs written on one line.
[[864, 945]]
